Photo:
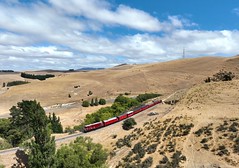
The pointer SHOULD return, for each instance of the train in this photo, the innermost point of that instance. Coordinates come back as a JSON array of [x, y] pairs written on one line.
[[121, 117]]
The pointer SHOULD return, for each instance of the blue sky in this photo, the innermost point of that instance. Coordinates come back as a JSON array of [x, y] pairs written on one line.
[[59, 34]]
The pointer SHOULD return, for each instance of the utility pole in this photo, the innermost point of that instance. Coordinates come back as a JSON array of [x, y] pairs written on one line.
[[183, 53]]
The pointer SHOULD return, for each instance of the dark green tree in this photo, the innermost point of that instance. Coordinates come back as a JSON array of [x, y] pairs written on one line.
[[129, 123], [96, 102], [30, 117], [85, 103], [55, 123], [4, 127], [102, 101], [20, 122], [92, 102]]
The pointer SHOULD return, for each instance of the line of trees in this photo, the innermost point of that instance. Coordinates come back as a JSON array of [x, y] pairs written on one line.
[[14, 83], [146, 96], [94, 102], [39, 77], [6, 71]]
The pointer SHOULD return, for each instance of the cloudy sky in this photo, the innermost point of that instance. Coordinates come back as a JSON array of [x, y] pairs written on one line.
[[64, 34]]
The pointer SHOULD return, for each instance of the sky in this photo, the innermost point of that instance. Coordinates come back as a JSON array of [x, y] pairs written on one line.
[[72, 34]]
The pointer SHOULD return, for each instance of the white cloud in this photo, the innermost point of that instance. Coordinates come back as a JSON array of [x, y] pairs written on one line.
[[101, 11], [7, 38], [236, 11], [36, 19], [72, 34]]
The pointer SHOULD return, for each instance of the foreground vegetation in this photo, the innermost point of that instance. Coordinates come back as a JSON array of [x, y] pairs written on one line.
[[226, 134], [82, 153], [19, 126], [29, 122], [156, 137], [166, 139]]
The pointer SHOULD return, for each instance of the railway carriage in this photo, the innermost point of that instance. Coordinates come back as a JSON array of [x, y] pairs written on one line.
[[93, 126], [110, 121], [122, 117]]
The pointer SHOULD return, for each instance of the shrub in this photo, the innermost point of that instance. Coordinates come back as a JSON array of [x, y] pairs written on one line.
[[152, 148], [220, 76], [139, 150], [147, 162], [85, 103], [222, 150], [176, 158], [204, 140], [69, 130], [125, 141], [102, 101], [129, 123], [164, 160], [90, 93], [233, 127], [236, 146]]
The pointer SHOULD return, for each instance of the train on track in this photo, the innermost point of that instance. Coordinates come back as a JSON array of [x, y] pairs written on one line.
[[113, 120]]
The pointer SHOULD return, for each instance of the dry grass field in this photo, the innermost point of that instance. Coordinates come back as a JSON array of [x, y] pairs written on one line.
[[163, 78], [200, 125]]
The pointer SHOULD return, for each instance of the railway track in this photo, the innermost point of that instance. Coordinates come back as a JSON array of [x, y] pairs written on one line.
[[58, 140]]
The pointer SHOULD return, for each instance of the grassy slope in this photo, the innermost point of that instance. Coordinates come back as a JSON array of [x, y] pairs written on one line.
[[159, 77]]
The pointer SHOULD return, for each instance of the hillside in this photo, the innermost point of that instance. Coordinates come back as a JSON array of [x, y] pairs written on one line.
[[164, 78], [201, 131]]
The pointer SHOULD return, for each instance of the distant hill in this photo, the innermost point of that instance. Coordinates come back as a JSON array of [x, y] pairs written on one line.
[[88, 69]]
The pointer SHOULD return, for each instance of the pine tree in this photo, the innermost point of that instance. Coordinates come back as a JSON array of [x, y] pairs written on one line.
[[92, 102], [55, 124], [31, 117], [96, 102]]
